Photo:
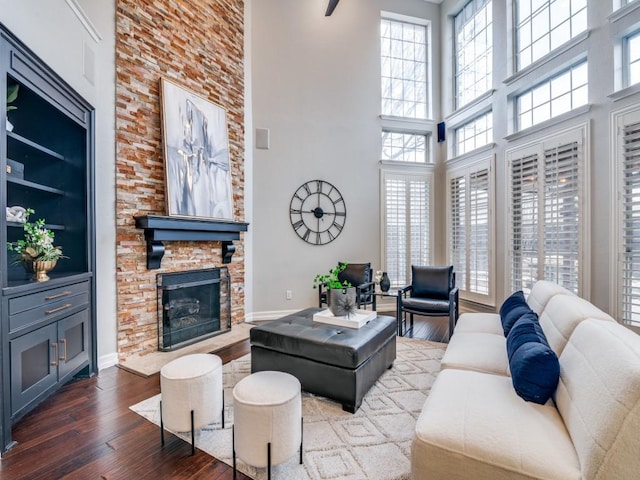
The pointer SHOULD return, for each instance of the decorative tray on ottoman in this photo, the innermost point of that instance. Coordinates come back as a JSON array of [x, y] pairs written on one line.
[[355, 320]]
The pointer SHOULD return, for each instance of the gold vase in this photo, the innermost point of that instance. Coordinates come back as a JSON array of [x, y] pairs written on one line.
[[40, 269]]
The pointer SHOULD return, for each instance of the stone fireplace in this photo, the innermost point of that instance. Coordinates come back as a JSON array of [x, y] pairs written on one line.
[[192, 306], [198, 45]]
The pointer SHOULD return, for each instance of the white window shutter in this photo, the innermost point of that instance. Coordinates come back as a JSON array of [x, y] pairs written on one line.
[[629, 268]]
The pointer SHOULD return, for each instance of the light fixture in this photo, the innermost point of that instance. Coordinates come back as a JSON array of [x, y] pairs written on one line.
[[331, 7]]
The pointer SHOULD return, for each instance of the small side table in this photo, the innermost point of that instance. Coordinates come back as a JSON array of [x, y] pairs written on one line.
[[393, 293]]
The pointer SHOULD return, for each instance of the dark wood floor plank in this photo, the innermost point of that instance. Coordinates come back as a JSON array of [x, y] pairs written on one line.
[[87, 431]]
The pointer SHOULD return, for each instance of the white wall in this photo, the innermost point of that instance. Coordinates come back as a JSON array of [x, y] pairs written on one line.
[[316, 87], [59, 31]]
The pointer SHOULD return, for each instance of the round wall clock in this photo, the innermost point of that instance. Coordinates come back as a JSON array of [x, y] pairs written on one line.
[[317, 212]]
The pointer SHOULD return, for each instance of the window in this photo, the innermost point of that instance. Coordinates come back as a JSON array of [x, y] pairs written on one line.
[[404, 69], [628, 230], [404, 147], [632, 48], [407, 223], [470, 230], [474, 134], [560, 94], [544, 25], [546, 212], [474, 51]]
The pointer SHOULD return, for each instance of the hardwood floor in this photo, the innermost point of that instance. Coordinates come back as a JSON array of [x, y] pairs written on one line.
[[86, 430]]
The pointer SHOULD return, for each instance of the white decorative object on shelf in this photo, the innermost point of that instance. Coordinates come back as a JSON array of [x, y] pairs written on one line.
[[356, 320], [16, 214]]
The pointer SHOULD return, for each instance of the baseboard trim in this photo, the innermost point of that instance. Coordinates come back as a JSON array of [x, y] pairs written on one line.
[[257, 317], [108, 360]]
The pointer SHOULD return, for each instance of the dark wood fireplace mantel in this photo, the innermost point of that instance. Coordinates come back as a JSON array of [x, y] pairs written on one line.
[[158, 229]]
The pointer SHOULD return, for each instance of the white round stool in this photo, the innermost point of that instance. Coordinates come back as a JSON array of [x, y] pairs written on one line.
[[192, 395], [267, 426]]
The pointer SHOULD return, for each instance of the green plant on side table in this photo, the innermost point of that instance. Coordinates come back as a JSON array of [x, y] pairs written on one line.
[[341, 296], [36, 250]]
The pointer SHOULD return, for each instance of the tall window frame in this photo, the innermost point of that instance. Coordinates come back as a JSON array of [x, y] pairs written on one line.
[[406, 145], [473, 134], [473, 51], [554, 96], [631, 63], [407, 220], [541, 26], [404, 68], [549, 212], [470, 229], [625, 287]]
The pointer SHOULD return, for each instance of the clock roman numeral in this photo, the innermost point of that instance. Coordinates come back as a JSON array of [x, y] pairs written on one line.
[[319, 184], [297, 225], [318, 241], [305, 237], [337, 226], [307, 189], [295, 211], [341, 214]]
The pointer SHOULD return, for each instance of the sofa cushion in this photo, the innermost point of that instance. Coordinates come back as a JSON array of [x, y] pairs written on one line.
[[534, 366], [473, 425], [478, 352], [563, 314], [479, 322], [598, 397], [542, 291], [512, 309]]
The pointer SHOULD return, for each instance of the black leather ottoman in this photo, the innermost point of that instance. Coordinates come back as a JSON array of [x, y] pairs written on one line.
[[335, 362]]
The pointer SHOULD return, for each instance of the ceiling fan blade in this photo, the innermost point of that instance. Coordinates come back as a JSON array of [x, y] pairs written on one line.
[[332, 6]]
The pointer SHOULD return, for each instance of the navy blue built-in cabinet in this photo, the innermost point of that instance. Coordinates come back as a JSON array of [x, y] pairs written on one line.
[[47, 329]]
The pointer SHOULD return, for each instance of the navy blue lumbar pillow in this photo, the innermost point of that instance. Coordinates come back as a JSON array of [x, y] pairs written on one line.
[[534, 366], [512, 309], [526, 329]]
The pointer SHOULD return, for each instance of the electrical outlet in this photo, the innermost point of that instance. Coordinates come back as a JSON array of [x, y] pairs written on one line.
[[288, 294]]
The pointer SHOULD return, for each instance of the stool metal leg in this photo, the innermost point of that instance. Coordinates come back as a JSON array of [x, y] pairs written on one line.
[[223, 407], [301, 437], [193, 436], [233, 447], [269, 461], [161, 426]]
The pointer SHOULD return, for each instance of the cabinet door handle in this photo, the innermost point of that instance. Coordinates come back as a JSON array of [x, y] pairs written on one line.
[[54, 363], [58, 295], [63, 341], [54, 310]]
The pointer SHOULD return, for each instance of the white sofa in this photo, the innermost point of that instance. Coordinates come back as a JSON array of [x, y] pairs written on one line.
[[474, 425]]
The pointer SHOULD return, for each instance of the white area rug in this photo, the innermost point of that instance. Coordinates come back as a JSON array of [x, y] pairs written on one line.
[[372, 444]]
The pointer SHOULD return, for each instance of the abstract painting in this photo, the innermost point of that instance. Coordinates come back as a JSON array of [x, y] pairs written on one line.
[[196, 155]]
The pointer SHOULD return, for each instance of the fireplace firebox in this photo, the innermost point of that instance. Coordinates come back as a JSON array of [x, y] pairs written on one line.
[[192, 306]]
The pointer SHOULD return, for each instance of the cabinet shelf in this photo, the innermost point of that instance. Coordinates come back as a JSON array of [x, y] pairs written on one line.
[[26, 143], [50, 226], [35, 186]]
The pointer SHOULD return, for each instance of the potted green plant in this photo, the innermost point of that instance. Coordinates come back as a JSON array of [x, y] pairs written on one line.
[[341, 296], [12, 95], [36, 250]]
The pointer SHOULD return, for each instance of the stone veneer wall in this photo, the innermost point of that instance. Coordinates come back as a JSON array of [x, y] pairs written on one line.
[[197, 44]]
